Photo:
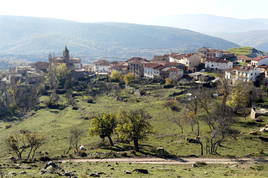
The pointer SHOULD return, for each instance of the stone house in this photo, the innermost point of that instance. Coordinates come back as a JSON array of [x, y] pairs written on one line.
[[191, 61], [172, 72], [136, 66]]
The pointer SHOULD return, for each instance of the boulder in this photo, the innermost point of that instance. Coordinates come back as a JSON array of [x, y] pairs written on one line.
[[23, 172], [254, 133], [264, 139], [192, 140], [199, 164], [44, 158], [52, 164], [128, 172], [82, 148], [96, 174], [69, 174], [142, 171]]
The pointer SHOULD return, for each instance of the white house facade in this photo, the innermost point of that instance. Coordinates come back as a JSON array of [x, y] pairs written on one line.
[[258, 61], [152, 70], [218, 64], [244, 74]]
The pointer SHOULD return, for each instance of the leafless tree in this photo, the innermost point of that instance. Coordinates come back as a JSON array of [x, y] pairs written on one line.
[[74, 139]]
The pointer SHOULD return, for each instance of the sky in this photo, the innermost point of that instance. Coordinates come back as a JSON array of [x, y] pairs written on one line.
[[132, 11]]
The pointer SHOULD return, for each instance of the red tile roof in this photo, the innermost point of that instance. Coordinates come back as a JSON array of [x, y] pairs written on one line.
[[259, 58], [101, 62], [137, 60], [153, 66]]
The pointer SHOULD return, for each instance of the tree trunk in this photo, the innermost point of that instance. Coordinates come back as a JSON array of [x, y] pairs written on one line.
[[110, 140], [29, 154], [201, 148], [33, 155], [136, 144]]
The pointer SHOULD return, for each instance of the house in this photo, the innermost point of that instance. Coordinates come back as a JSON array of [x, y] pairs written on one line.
[[71, 62], [12, 78], [174, 57], [136, 66], [244, 59], [120, 66], [240, 73], [152, 70], [172, 72], [264, 70], [260, 60], [101, 67], [191, 61], [208, 53], [218, 64], [164, 58]]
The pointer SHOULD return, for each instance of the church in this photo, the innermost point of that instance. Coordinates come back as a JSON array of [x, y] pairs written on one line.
[[71, 62]]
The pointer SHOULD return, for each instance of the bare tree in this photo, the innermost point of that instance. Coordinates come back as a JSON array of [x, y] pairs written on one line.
[[25, 140], [74, 139]]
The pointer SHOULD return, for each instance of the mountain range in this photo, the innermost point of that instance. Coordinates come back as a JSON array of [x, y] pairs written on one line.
[[31, 38], [245, 32]]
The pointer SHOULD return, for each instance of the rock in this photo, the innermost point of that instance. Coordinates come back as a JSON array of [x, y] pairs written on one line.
[[23, 172], [51, 169], [17, 166], [12, 159], [82, 148], [68, 174], [128, 172], [265, 139], [192, 140], [259, 120], [199, 164], [42, 171], [44, 158], [8, 126], [254, 133], [52, 164], [75, 108], [83, 154], [11, 174], [94, 175], [142, 171]]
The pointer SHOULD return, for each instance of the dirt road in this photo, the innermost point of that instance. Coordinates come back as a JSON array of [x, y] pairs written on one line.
[[172, 161]]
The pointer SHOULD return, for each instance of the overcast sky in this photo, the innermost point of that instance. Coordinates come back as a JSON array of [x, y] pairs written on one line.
[[132, 11]]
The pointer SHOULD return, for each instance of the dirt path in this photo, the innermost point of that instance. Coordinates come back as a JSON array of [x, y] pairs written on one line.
[[172, 161]]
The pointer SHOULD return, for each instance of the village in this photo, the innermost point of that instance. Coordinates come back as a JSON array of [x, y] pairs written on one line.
[[174, 66]]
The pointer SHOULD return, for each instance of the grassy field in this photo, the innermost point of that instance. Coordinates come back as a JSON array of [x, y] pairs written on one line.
[[85, 170], [246, 51], [56, 124]]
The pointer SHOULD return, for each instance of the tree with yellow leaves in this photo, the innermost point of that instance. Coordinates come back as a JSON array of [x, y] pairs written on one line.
[[128, 78]]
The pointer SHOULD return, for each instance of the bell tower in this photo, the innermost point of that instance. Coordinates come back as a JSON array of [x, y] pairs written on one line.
[[66, 54]]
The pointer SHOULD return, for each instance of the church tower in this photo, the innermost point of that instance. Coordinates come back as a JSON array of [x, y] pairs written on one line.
[[66, 54]]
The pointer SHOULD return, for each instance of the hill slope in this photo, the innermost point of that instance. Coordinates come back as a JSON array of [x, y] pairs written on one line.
[[247, 51], [211, 24], [258, 39], [36, 37]]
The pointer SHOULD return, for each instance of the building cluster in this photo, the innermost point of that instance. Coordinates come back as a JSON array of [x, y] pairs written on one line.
[[173, 66]]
